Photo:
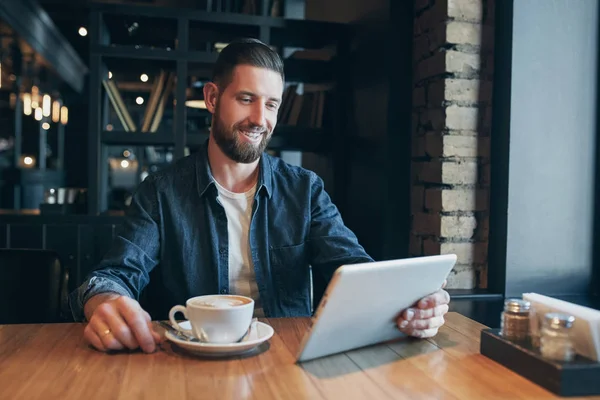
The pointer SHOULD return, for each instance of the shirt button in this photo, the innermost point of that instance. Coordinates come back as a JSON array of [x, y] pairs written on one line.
[[223, 291]]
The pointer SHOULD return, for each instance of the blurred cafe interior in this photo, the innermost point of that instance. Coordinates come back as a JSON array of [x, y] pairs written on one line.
[[438, 126]]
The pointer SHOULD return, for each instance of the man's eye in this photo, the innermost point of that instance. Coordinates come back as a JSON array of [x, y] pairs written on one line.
[[245, 99], [272, 106]]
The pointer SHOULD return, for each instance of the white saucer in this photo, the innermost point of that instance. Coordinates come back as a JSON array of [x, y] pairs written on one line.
[[260, 333]]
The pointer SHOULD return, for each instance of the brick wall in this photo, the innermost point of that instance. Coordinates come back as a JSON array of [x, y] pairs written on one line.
[[453, 69]]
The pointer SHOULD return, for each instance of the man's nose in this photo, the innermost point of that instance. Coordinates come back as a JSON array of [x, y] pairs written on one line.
[[257, 117]]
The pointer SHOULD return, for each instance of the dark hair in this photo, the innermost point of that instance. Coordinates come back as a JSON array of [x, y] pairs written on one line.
[[245, 51]]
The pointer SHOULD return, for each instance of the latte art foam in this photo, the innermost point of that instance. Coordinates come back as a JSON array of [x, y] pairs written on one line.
[[220, 303]]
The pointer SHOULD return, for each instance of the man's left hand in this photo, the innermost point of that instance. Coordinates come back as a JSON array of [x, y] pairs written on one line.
[[427, 316]]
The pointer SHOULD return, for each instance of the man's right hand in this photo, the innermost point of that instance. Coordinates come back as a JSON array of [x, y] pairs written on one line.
[[118, 322]]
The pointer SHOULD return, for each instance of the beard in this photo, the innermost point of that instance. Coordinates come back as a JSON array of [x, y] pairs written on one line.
[[229, 143]]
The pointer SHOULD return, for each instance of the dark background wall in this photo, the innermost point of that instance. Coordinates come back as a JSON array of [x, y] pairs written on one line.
[[375, 197], [545, 141]]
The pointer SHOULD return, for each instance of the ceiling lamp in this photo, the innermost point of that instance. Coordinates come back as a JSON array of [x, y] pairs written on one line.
[[64, 115], [46, 105], [27, 108], [35, 97], [55, 111]]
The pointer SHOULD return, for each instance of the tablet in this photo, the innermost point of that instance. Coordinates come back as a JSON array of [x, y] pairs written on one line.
[[363, 301]]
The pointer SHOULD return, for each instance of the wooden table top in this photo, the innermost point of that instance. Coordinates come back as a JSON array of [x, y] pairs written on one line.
[[49, 361]]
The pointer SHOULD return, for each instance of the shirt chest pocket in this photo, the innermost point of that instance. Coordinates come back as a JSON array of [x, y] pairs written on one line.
[[291, 273]]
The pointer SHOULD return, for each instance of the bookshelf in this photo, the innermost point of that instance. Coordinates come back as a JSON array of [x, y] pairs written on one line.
[[312, 119]]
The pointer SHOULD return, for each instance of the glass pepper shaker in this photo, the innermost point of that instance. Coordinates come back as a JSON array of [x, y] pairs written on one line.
[[514, 323], [555, 340]]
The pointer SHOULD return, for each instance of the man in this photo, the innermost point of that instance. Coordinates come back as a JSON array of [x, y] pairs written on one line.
[[228, 219]]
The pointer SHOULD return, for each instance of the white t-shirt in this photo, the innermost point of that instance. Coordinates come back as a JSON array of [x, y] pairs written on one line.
[[242, 279]]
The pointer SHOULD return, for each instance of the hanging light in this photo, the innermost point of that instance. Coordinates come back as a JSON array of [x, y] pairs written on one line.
[[1, 54], [35, 97], [46, 105], [38, 114], [64, 115], [27, 161], [45, 126], [56, 111], [27, 108]]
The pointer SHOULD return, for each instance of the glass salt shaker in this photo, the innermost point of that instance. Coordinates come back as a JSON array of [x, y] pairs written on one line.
[[514, 323], [555, 341]]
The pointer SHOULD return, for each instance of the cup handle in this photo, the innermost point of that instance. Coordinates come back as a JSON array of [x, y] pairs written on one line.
[[172, 313]]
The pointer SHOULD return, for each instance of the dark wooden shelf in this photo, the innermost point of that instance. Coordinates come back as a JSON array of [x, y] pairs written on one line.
[[35, 217], [190, 13], [148, 53], [137, 138], [302, 27]]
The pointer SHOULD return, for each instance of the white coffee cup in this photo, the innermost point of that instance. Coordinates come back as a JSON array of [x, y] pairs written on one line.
[[216, 318]]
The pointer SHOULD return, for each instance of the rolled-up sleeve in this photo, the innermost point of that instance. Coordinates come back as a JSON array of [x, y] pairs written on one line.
[[134, 252], [93, 286]]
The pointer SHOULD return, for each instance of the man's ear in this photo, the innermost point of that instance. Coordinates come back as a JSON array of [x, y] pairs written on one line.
[[211, 93]]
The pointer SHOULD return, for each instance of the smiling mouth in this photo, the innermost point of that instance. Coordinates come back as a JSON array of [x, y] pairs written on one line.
[[251, 135]]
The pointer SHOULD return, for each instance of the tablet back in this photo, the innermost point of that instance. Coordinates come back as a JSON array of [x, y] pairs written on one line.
[[362, 302]]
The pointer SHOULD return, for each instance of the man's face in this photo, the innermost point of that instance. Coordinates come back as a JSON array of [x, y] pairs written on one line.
[[246, 113]]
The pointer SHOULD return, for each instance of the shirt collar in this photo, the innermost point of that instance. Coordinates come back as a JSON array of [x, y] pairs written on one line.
[[205, 179]]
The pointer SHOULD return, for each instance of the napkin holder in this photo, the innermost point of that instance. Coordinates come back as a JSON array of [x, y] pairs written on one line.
[[580, 377]]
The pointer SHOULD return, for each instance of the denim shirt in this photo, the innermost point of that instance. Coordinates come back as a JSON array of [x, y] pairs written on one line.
[[174, 240]]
